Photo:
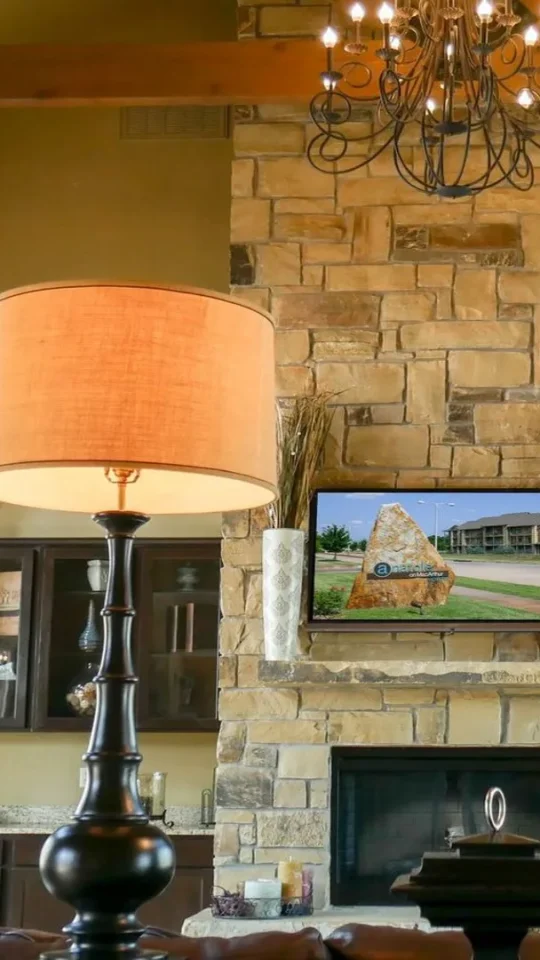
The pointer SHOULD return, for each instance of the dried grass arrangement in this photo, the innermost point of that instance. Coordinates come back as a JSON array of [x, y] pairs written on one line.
[[302, 428]]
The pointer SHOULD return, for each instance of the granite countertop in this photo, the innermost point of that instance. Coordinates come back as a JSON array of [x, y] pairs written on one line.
[[46, 819]]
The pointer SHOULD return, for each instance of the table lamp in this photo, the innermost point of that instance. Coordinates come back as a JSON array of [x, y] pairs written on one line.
[[125, 400]]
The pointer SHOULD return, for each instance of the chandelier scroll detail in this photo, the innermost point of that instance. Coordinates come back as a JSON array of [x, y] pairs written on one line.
[[453, 91]]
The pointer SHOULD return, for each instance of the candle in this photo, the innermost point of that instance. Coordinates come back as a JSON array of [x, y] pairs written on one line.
[[307, 885], [266, 898], [485, 11], [330, 37], [290, 874]]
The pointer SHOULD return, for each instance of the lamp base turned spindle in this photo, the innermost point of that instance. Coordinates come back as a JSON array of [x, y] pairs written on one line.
[[110, 860]]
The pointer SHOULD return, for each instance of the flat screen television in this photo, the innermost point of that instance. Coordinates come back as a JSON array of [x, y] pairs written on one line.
[[430, 559]]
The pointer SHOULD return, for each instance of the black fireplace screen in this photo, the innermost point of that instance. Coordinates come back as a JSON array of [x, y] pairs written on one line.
[[389, 805]]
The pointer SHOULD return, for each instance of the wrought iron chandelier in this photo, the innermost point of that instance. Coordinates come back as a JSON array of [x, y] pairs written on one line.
[[457, 83]]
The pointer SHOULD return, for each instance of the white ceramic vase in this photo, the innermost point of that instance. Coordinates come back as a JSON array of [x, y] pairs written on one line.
[[97, 573], [283, 564]]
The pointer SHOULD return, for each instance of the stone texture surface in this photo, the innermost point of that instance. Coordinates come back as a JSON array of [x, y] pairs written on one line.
[[420, 313], [426, 391], [508, 422], [292, 177], [398, 543], [283, 731], [398, 308], [483, 368], [475, 461], [358, 383], [466, 334], [377, 728], [475, 294], [258, 704], [430, 725], [242, 787], [400, 445], [352, 698], [231, 740], [474, 717], [290, 793], [372, 234], [301, 310], [250, 219], [523, 721], [310, 763], [371, 278], [308, 829]]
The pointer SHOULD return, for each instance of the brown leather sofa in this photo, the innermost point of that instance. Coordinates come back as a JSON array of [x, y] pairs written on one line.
[[351, 942]]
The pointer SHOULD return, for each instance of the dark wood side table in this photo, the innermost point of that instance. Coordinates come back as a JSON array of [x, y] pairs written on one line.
[[487, 884]]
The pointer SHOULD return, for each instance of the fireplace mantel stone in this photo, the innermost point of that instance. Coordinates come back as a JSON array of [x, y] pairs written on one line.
[[408, 673]]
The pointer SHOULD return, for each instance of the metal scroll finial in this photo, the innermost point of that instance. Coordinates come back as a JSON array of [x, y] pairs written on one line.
[[495, 809]]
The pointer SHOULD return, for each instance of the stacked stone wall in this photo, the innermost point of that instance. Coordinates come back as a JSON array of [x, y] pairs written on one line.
[[425, 316]]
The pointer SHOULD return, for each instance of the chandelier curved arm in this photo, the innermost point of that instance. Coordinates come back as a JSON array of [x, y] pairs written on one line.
[[427, 16], [318, 157], [449, 67]]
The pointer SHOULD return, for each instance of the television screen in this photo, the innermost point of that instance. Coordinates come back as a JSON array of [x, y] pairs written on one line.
[[451, 557]]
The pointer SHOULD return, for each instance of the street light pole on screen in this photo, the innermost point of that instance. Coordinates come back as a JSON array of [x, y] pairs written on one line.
[[440, 503]]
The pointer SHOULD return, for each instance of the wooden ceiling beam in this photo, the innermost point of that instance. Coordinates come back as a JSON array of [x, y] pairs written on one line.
[[228, 73], [74, 75]]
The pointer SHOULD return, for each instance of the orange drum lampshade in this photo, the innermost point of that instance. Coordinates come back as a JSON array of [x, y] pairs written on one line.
[[177, 384]]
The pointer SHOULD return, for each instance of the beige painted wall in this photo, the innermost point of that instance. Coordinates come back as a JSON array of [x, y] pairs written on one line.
[[125, 21], [76, 201], [43, 768], [22, 522]]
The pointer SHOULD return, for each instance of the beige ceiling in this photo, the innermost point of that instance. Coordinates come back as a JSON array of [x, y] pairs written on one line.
[[94, 21]]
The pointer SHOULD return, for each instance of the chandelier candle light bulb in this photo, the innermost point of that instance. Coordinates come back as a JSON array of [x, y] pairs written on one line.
[[385, 13], [485, 11], [530, 36], [330, 37], [525, 98], [357, 12]]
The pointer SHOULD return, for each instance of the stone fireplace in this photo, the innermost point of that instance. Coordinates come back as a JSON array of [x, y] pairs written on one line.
[[282, 721], [390, 805], [425, 316]]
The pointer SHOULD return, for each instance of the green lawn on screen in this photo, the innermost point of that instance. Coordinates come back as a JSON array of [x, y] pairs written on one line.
[[456, 608]]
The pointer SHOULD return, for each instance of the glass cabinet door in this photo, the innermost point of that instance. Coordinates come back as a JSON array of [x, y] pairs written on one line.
[[177, 633], [72, 588], [16, 567]]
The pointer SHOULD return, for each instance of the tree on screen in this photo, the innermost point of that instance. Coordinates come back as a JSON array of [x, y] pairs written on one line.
[[335, 539]]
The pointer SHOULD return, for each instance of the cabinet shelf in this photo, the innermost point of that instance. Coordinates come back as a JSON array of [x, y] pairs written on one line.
[[55, 596], [187, 596], [81, 593], [188, 654]]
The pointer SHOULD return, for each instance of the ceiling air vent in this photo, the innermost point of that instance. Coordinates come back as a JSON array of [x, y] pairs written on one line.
[[174, 123]]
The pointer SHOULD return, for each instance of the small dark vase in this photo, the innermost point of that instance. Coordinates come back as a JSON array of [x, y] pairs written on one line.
[[81, 695]]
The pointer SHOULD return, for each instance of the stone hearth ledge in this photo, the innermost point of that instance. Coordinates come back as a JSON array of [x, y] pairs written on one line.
[[203, 924], [409, 673]]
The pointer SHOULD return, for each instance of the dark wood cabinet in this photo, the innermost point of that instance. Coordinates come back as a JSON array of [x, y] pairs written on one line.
[[24, 901], [51, 632], [17, 565]]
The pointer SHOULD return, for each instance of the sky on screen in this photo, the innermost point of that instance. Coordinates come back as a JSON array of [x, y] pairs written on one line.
[[357, 511]]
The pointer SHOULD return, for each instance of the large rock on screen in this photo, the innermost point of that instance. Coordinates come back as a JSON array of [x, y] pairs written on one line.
[[401, 567]]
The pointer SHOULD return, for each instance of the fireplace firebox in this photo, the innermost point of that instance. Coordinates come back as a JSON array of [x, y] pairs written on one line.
[[389, 805]]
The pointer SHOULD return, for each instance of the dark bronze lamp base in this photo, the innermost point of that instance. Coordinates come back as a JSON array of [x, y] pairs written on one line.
[[110, 860]]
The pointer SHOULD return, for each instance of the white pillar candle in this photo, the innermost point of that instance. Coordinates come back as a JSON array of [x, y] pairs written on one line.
[[266, 897]]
